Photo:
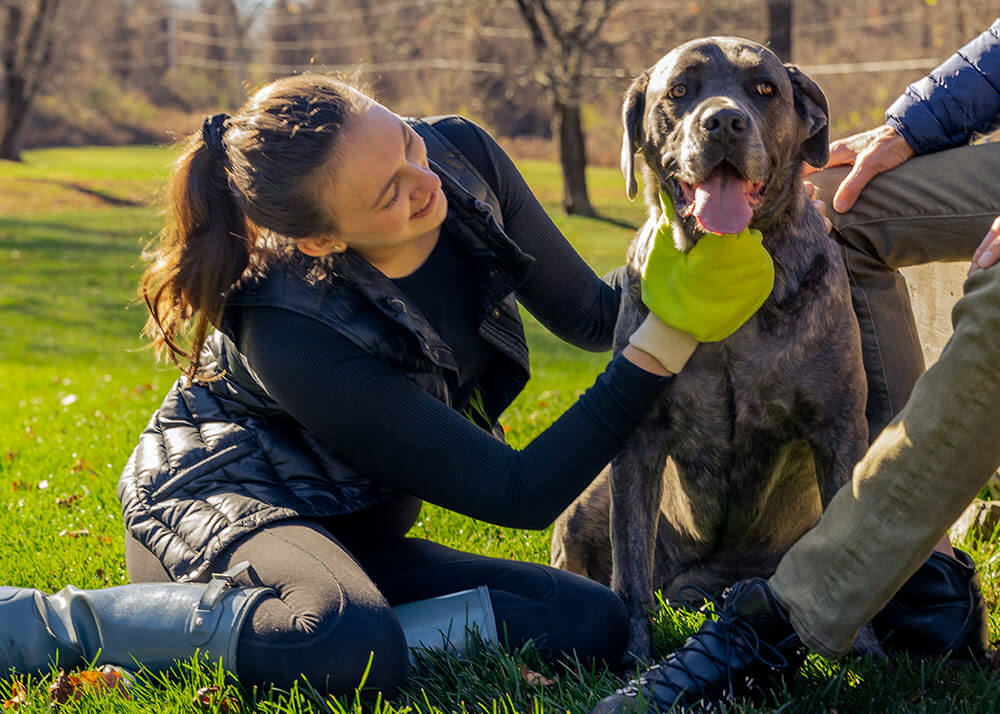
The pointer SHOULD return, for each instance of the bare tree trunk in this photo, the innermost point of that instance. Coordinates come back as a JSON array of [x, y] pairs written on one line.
[[17, 104], [26, 56], [563, 45], [567, 127], [779, 28]]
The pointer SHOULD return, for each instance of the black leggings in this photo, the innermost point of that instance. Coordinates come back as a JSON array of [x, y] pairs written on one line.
[[334, 595]]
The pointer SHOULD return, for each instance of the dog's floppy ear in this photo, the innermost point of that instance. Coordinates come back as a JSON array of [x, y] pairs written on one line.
[[633, 108], [814, 113]]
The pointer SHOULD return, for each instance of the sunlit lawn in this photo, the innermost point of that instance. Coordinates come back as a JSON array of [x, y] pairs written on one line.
[[77, 387]]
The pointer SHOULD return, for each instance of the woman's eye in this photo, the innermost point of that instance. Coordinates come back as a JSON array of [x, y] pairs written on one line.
[[392, 201], [677, 91], [764, 89]]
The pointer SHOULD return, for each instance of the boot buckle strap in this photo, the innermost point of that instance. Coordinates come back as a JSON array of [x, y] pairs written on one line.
[[206, 614]]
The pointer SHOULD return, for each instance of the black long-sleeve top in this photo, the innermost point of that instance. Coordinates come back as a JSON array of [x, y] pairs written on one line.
[[374, 417]]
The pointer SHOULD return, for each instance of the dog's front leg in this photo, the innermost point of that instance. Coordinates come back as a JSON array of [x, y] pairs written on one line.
[[636, 487]]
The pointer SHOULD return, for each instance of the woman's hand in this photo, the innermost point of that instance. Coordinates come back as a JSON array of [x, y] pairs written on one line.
[[710, 290], [703, 295], [869, 153], [989, 250]]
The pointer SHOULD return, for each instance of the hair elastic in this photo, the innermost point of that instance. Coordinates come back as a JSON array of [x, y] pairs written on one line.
[[212, 132]]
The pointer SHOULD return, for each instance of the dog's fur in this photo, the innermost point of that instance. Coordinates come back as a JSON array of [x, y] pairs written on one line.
[[733, 462]]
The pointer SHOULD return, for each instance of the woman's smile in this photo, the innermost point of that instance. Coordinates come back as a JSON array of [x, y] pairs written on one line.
[[428, 205]]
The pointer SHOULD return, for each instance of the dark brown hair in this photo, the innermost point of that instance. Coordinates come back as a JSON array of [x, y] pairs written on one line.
[[226, 204]]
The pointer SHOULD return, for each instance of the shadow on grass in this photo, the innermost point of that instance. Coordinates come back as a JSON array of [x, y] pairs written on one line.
[[103, 196], [71, 237], [615, 222]]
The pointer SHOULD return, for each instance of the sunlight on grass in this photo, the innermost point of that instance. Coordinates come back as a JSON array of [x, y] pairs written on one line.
[[79, 387]]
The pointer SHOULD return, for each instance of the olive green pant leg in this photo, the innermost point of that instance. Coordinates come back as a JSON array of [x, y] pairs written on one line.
[[915, 480], [935, 207]]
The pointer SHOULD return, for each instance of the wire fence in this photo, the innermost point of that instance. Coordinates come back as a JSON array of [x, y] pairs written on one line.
[[184, 37]]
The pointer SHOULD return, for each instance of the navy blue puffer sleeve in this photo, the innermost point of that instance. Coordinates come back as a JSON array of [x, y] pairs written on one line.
[[957, 99]]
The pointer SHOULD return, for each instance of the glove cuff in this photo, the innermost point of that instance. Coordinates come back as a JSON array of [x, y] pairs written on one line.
[[668, 345]]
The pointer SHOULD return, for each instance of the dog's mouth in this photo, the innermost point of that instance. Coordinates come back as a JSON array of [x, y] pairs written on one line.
[[723, 202]]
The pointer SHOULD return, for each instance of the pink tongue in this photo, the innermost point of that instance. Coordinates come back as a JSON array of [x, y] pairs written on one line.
[[720, 202]]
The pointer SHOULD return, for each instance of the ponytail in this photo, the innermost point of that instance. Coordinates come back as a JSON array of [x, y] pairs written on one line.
[[238, 183], [200, 255]]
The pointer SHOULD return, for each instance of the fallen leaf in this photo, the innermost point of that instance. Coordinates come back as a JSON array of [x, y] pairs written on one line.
[[63, 688], [67, 501], [81, 533], [106, 681], [22, 485], [535, 679], [82, 465], [209, 697], [68, 687], [19, 696]]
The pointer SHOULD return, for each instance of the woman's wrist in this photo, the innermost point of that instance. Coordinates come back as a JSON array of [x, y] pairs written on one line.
[[666, 344], [645, 361]]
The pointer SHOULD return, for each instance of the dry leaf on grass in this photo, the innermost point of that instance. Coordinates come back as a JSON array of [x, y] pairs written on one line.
[[19, 696], [69, 687], [208, 697], [82, 465], [535, 679], [67, 501], [83, 532]]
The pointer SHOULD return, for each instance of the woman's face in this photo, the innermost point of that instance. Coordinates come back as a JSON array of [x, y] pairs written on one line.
[[381, 193]]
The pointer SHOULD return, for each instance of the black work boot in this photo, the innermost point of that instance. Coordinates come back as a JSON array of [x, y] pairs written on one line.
[[749, 646], [938, 612]]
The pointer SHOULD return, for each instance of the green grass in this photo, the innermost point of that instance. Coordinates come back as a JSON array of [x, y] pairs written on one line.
[[77, 387]]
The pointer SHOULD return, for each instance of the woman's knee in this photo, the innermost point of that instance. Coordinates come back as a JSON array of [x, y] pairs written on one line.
[[362, 645]]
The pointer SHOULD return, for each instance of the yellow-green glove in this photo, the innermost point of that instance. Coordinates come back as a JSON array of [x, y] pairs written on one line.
[[712, 289]]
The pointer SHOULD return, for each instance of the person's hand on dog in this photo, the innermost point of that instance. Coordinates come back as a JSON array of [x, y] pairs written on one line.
[[989, 250], [869, 154], [704, 294], [818, 203]]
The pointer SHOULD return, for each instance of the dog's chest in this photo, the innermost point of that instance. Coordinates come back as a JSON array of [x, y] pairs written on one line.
[[728, 399]]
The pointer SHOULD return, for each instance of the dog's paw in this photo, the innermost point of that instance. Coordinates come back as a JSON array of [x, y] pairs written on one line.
[[866, 644], [639, 647]]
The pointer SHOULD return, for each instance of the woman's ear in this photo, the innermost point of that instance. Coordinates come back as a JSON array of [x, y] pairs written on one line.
[[318, 247]]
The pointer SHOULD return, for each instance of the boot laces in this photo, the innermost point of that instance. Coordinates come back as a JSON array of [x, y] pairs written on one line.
[[737, 637]]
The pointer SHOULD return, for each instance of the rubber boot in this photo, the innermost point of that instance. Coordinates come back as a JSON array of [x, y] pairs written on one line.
[[154, 624], [445, 622]]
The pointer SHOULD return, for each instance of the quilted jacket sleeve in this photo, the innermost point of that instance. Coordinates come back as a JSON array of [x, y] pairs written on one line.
[[956, 100]]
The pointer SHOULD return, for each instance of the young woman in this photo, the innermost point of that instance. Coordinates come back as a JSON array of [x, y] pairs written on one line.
[[352, 336]]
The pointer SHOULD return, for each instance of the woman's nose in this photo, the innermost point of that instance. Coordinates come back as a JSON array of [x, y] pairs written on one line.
[[425, 180]]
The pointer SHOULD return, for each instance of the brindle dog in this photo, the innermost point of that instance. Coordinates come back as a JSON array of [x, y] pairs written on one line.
[[732, 464]]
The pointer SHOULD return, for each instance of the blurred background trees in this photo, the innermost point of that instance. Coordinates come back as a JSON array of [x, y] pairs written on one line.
[[544, 76]]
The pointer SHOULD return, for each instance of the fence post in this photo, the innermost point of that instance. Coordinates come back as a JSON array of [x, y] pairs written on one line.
[[779, 28]]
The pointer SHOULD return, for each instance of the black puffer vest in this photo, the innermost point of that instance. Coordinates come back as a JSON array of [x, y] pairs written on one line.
[[220, 459]]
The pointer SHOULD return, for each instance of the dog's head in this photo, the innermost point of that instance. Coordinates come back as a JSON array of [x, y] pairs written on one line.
[[723, 126]]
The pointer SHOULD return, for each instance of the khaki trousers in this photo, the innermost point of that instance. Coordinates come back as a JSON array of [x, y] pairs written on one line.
[[941, 449]]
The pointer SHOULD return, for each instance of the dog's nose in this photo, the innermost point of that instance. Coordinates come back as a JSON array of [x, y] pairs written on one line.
[[725, 121]]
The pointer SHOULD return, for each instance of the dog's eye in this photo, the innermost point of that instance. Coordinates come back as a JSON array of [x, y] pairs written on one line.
[[677, 91], [765, 89]]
